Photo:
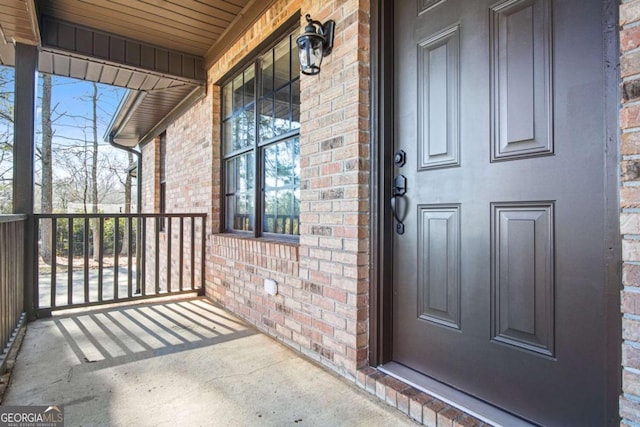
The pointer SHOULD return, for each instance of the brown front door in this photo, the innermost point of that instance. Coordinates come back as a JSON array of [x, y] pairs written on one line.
[[499, 276]]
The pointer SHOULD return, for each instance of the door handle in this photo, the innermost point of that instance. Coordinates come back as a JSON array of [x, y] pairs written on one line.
[[399, 190]]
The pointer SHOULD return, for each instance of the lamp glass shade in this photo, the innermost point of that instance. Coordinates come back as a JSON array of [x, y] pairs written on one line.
[[311, 52]]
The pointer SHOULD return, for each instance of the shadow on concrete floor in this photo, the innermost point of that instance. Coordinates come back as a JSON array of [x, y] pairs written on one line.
[[179, 362]]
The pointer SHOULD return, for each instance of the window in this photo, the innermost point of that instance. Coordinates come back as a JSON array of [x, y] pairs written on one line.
[[260, 125]]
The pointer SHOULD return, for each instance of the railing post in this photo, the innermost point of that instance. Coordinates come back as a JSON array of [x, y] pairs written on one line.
[[203, 255], [26, 58]]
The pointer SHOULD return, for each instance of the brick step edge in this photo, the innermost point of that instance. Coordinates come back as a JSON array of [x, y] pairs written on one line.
[[420, 406]]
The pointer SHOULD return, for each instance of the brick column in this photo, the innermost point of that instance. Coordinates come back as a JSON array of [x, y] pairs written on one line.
[[334, 241], [630, 209]]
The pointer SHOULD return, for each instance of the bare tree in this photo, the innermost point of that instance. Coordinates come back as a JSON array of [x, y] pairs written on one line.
[[46, 201], [6, 138], [94, 170]]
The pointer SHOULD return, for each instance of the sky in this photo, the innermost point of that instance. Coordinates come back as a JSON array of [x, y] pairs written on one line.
[[71, 105], [71, 121]]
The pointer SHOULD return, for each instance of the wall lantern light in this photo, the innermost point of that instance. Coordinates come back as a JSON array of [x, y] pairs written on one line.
[[314, 44]]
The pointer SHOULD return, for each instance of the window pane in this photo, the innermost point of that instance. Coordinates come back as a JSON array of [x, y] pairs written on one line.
[[295, 59], [281, 197], [295, 104], [250, 130], [296, 212], [271, 167], [227, 100], [267, 73], [282, 164], [239, 131], [238, 101], [228, 128], [249, 85], [282, 53], [244, 173], [285, 212], [282, 123], [270, 209], [266, 119], [230, 179], [240, 185]]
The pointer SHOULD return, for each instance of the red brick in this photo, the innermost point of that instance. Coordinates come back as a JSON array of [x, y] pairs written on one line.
[[447, 417], [630, 64], [630, 170], [629, 12], [630, 116], [631, 274], [629, 38], [630, 143], [431, 411], [630, 197], [335, 294], [416, 404], [630, 356], [631, 382], [629, 410]]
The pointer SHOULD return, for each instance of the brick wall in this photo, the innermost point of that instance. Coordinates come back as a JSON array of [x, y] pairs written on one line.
[[188, 190], [150, 177], [334, 244], [321, 307], [630, 214]]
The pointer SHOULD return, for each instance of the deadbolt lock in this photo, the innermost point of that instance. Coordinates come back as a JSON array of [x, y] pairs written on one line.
[[400, 158]]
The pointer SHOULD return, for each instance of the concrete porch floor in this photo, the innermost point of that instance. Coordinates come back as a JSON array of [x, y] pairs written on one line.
[[180, 363]]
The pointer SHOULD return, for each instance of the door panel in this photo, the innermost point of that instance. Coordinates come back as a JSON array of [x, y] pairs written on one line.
[[521, 62], [438, 102], [439, 271], [523, 280], [499, 278]]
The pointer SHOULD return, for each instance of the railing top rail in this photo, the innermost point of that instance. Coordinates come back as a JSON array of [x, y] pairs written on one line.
[[12, 218], [123, 215]]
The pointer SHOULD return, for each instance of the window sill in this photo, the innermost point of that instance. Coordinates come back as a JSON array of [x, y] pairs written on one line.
[[282, 249]]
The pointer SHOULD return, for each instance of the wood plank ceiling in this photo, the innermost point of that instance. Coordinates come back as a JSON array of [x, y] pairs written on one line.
[[18, 23], [188, 26]]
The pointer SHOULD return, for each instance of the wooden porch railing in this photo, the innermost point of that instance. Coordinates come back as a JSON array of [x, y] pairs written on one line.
[[96, 259], [12, 252]]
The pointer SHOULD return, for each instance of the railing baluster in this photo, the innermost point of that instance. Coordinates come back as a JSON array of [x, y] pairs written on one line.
[[169, 254], [181, 254], [193, 252], [157, 255], [203, 249], [116, 270], [54, 227], [86, 259], [129, 250], [36, 273], [143, 260], [12, 304], [5, 282], [70, 261], [100, 255]]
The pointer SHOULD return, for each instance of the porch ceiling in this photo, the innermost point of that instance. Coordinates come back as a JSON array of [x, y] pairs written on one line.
[[148, 46], [18, 23], [188, 26]]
